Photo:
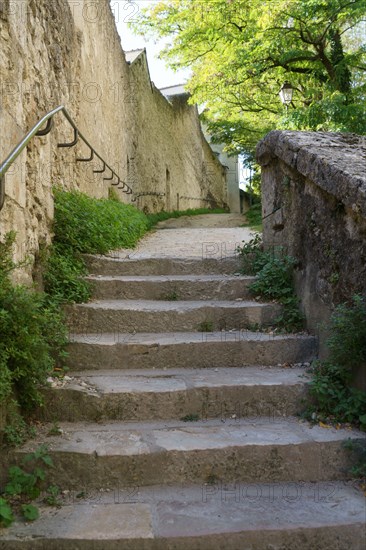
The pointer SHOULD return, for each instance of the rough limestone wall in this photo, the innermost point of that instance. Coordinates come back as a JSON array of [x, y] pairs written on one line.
[[68, 52], [56, 53], [28, 53], [317, 181], [172, 164]]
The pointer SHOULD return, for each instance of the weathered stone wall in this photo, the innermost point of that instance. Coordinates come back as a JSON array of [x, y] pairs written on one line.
[[172, 166], [316, 182], [68, 52]]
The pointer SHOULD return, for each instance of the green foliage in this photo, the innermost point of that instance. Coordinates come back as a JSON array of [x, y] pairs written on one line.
[[24, 485], [33, 336], [190, 418], [153, 219], [254, 217], [274, 280], [51, 498], [6, 514], [95, 226], [171, 297], [241, 52], [64, 276], [206, 326], [86, 225], [30, 512], [253, 257], [358, 450], [16, 430], [333, 396], [347, 342]]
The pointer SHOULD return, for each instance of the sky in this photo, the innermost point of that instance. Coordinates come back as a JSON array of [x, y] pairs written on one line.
[[126, 11]]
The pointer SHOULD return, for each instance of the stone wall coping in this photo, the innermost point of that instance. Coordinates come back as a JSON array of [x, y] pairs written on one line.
[[335, 162]]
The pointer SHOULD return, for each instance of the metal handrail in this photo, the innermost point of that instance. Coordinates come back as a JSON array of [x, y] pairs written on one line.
[[38, 131]]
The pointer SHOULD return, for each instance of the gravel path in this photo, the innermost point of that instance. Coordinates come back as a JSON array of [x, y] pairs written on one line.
[[213, 236]]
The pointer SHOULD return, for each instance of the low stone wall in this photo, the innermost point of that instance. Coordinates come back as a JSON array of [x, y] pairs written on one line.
[[314, 205]]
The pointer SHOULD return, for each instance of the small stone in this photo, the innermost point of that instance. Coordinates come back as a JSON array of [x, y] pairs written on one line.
[[67, 378]]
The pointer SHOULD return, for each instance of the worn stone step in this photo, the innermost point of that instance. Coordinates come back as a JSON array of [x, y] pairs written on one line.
[[170, 287], [160, 316], [175, 393], [255, 450], [295, 516], [115, 265], [181, 350]]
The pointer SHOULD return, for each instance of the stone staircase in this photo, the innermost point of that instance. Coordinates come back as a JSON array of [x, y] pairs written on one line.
[[179, 426]]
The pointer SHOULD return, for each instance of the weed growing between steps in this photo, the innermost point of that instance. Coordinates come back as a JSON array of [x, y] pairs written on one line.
[[33, 339], [24, 486], [274, 280], [335, 400]]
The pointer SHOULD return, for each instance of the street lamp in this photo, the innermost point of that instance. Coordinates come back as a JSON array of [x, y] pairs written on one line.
[[286, 94]]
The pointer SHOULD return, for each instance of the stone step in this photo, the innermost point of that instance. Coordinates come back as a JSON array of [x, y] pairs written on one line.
[[170, 287], [258, 450], [159, 316], [161, 394], [183, 350], [301, 516], [115, 265]]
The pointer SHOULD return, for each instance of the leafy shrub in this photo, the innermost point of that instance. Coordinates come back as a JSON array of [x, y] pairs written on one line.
[[16, 430], [253, 256], [33, 336], [64, 276], [274, 280], [95, 226], [334, 397], [347, 342], [24, 485], [86, 225]]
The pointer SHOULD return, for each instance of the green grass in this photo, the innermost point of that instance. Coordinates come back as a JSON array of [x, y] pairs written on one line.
[[162, 216], [96, 226], [254, 217], [83, 224]]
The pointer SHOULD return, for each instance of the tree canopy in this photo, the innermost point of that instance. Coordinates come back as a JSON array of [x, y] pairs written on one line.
[[242, 51]]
